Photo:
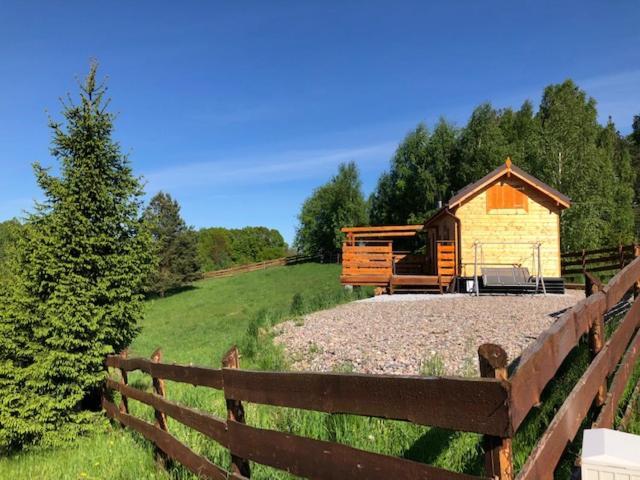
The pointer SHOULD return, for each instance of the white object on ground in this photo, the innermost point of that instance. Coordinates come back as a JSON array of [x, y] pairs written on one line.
[[609, 454]]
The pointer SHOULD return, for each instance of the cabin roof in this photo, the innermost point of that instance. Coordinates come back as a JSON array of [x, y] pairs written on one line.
[[509, 169]]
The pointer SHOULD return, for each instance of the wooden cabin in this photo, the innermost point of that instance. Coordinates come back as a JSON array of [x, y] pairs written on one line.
[[504, 226]]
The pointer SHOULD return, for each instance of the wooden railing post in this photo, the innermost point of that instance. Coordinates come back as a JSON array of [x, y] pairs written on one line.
[[159, 389], [235, 412], [161, 418], [498, 453], [592, 284], [124, 402], [636, 289], [596, 337]]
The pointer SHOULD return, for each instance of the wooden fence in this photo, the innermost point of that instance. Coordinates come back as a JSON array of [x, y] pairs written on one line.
[[609, 259], [494, 405], [251, 267]]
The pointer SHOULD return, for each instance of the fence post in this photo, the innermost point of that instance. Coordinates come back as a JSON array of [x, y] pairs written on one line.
[[596, 338], [124, 402], [498, 460], [621, 256], [636, 254], [159, 389], [592, 284], [235, 412], [161, 418]]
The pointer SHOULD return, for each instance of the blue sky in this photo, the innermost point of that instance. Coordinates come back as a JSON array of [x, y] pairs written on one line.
[[240, 109]]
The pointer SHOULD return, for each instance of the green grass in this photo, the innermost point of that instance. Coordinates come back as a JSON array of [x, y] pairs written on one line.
[[199, 324]]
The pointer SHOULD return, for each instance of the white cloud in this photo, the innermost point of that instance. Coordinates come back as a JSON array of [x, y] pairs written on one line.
[[265, 169]]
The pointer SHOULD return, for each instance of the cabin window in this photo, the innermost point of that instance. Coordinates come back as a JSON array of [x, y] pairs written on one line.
[[503, 196]]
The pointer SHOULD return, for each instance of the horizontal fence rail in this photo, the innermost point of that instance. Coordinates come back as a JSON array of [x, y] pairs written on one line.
[[609, 259], [251, 267], [494, 404], [474, 405]]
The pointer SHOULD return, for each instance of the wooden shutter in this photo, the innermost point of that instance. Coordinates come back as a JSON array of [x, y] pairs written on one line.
[[504, 196]]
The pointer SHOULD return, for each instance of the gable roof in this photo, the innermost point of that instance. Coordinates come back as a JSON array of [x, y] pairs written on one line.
[[508, 169]]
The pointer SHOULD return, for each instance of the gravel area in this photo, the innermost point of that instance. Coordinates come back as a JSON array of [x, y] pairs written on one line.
[[407, 334]]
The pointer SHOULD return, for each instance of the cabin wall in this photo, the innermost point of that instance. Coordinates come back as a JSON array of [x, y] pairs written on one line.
[[539, 222]]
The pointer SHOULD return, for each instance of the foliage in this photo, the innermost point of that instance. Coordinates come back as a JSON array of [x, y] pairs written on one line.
[[9, 232], [420, 176], [482, 146], [562, 144], [634, 145], [78, 275], [221, 247], [336, 204], [175, 245]]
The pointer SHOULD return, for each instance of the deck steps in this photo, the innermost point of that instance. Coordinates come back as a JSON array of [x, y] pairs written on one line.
[[419, 284]]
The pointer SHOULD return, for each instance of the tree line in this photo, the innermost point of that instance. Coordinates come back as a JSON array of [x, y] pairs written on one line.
[[561, 143]]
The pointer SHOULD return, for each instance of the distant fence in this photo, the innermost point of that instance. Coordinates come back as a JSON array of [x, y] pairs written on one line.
[[495, 405], [609, 259], [277, 262]]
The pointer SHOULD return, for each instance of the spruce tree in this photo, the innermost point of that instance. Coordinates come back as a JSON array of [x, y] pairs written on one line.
[[78, 280], [175, 245]]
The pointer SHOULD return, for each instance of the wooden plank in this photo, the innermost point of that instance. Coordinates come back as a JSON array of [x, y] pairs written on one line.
[[622, 282], [200, 376], [210, 425], [597, 251], [603, 268], [167, 443], [317, 459], [384, 228], [540, 361], [590, 260], [415, 280], [475, 405], [371, 257], [566, 423], [366, 249], [366, 271], [366, 279], [394, 233], [620, 380]]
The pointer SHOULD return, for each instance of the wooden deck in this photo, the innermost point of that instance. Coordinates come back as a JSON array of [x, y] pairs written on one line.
[[376, 263]]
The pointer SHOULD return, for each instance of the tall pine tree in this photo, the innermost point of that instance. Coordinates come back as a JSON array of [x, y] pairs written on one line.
[[176, 245], [79, 275]]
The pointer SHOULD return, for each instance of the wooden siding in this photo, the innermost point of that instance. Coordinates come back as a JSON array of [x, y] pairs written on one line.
[[538, 223], [367, 265]]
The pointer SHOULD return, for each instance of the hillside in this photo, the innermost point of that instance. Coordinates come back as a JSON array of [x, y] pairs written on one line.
[[195, 325]]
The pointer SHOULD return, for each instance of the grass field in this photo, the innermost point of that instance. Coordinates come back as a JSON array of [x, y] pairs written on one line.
[[198, 324]]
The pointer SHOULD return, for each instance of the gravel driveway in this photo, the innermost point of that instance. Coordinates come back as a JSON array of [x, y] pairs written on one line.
[[409, 334]]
